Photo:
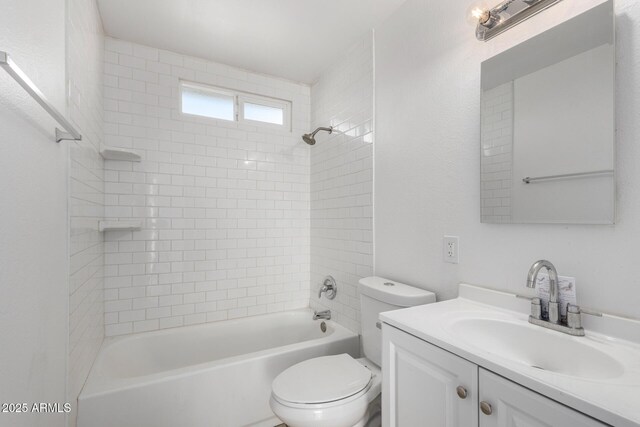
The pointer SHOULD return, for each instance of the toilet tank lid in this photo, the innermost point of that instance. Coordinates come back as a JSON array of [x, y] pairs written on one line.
[[395, 293]]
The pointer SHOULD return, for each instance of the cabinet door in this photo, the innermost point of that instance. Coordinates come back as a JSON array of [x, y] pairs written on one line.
[[420, 381], [515, 406]]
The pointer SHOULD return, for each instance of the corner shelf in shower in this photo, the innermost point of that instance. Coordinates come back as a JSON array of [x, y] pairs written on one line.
[[117, 153], [120, 225]]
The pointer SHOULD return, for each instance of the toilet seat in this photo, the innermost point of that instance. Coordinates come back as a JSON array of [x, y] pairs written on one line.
[[321, 380], [350, 411]]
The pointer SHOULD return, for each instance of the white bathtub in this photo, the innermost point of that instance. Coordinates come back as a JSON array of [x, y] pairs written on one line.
[[217, 374]]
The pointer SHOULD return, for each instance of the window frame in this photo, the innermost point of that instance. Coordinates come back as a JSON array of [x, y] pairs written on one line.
[[239, 100]]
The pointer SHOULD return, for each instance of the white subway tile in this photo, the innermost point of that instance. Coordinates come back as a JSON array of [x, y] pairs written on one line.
[[146, 325], [341, 183], [145, 52], [118, 329], [223, 209]]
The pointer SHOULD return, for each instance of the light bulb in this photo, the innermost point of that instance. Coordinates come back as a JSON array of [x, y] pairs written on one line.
[[478, 12]]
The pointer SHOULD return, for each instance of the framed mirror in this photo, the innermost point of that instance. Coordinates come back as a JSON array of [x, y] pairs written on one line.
[[548, 126]]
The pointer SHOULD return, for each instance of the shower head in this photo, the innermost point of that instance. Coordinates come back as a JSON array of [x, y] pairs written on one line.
[[310, 138]]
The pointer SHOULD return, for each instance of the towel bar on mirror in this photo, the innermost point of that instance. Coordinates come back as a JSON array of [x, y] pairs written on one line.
[[528, 179]]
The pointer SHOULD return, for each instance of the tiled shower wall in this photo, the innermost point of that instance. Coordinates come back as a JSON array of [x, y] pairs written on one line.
[[497, 153], [342, 181], [85, 60], [224, 207]]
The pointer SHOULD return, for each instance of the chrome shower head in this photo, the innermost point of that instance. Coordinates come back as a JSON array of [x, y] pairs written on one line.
[[310, 138]]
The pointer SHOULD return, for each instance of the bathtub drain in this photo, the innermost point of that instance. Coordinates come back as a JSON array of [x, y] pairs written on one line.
[[323, 327]]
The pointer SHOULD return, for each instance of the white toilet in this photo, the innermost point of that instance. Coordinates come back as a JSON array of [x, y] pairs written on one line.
[[340, 391]]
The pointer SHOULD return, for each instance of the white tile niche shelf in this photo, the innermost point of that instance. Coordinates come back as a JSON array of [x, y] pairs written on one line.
[[117, 153], [120, 225]]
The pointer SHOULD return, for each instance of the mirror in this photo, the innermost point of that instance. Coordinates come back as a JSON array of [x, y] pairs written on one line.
[[548, 126]]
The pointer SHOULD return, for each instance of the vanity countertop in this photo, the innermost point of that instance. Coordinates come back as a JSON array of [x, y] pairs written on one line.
[[612, 397]]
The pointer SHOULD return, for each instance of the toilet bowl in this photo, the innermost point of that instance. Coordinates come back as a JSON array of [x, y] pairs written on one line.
[[340, 391]]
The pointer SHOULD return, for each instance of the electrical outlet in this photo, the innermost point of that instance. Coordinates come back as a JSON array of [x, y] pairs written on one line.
[[451, 249]]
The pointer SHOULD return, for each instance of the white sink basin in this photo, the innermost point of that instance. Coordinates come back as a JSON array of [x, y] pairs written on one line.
[[537, 347]]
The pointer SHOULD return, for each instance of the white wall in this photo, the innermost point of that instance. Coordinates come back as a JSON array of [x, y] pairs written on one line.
[[85, 61], [225, 206], [427, 168], [33, 215], [342, 181]]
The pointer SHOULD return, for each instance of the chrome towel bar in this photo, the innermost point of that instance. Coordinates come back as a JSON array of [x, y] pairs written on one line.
[[528, 179], [19, 76]]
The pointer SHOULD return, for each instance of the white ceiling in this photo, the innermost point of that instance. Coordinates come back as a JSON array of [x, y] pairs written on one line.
[[293, 39]]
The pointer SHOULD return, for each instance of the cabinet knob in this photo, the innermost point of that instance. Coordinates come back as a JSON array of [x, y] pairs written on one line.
[[486, 408], [462, 392]]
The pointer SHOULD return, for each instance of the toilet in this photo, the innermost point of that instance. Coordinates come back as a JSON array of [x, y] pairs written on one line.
[[340, 391]]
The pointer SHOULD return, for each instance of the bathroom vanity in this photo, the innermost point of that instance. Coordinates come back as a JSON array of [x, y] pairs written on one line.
[[476, 361]]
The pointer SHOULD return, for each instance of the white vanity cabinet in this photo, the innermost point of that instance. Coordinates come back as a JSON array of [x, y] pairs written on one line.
[[424, 385], [508, 404]]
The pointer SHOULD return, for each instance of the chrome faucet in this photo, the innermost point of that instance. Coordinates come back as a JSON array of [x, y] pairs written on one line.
[[572, 325], [326, 315], [554, 305]]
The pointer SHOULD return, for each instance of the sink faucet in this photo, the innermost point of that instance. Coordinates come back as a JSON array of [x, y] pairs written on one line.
[[573, 323], [326, 315], [554, 304]]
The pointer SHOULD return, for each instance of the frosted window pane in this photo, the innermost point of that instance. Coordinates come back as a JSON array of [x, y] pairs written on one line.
[[214, 105], [262, 113]]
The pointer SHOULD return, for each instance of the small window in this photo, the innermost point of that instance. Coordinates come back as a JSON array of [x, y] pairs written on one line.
[[265, 110], [263, 113], [225, 104], [201, 101]]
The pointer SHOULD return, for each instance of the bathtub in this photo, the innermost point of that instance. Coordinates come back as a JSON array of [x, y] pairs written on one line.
[[216, 374]]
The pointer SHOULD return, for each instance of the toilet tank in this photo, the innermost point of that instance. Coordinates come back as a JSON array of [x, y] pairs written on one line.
[[378, 294]]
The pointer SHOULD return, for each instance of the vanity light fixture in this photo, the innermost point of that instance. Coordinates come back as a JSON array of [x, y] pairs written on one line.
[[491, 22]]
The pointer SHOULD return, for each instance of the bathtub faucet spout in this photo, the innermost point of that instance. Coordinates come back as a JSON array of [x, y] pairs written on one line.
[[326, 315]]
